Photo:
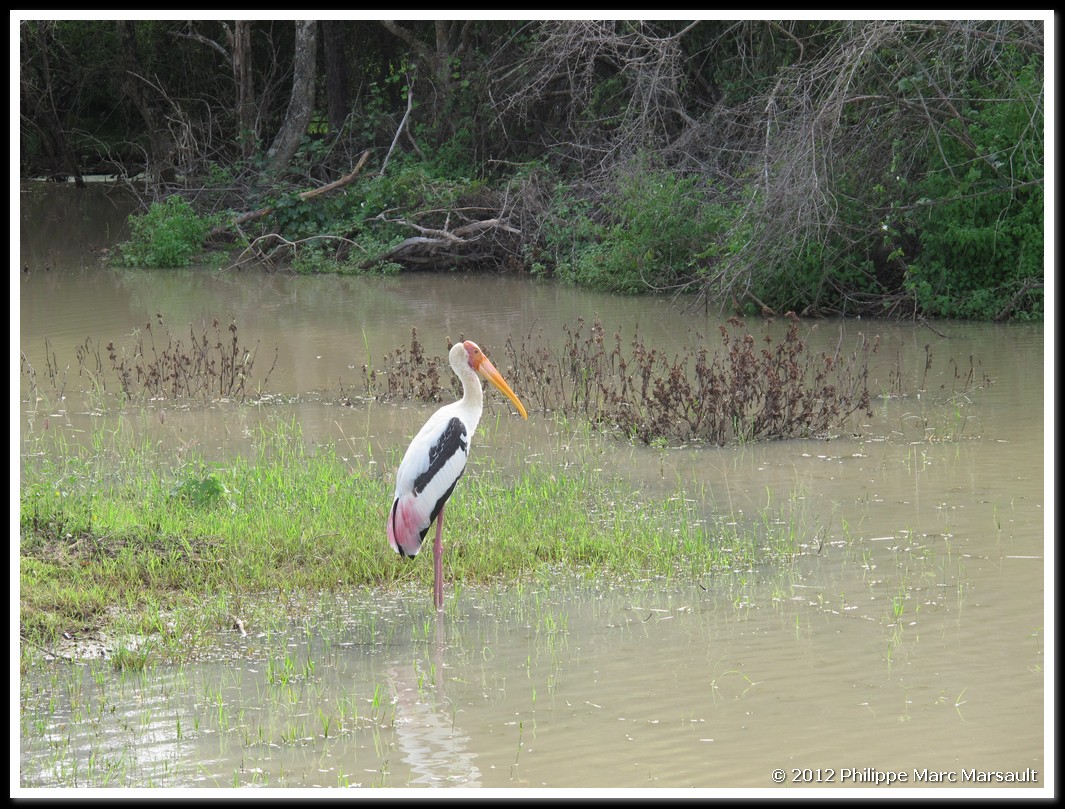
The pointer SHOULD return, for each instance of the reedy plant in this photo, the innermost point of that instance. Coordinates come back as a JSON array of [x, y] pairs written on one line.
[[741, 392], [212, 364]]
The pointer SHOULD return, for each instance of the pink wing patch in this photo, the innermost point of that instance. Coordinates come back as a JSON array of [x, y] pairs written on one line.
[[405, 526]]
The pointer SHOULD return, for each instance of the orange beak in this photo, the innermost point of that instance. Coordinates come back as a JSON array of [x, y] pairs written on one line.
[[489, 372]]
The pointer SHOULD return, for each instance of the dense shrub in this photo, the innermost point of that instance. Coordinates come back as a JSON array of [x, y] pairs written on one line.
[[982, 230], [659, 229], [168, 235]]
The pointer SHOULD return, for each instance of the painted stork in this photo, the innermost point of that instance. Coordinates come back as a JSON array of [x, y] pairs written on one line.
[[436, 459]]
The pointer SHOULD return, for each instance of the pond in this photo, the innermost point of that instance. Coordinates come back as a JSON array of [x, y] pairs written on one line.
[[907, 644]]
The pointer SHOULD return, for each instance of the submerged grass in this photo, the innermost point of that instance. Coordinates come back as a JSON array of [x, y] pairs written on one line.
[[176, 548]]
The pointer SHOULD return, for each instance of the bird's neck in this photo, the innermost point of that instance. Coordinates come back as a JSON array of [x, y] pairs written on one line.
[[472, 397]]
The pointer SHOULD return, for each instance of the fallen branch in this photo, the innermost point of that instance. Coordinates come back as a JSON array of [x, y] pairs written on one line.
[[437, 244], [1008, 308], [255, 253], [305, 195]]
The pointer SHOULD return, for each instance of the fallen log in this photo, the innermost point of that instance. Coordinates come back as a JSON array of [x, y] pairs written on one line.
[[438, 244], [251, 216]]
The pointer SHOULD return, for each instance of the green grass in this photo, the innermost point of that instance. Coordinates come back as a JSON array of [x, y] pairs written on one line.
[[121, 539]]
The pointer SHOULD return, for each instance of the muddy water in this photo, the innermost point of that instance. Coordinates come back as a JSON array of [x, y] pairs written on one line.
[[907, 642]]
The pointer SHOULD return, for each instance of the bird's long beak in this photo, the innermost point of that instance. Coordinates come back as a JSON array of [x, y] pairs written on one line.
[[489, 372]]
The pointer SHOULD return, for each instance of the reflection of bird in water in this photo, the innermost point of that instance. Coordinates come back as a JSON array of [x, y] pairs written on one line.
[[433, 747], [436, 459]]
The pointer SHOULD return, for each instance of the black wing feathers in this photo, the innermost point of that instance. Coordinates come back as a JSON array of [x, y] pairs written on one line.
[[452, 440]]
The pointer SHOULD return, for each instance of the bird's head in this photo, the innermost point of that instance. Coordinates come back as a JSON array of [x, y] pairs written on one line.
[[483, 367]]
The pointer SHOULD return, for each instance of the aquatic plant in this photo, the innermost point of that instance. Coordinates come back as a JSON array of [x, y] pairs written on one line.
[[409, 374], [210, 365], [741, 392]]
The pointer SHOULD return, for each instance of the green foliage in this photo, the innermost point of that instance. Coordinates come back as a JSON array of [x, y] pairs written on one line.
[[315, 259], [376, 122], [947, 221], [323, 258], [662, 230], [168, 235], [454, 156], [363, 215], [413, 185], [200, 491], [982, 228], [297, 218], [568, 232], [342, 231], [793, 285]]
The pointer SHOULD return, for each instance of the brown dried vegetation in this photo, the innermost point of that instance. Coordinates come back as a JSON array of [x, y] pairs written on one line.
[[747, 389], [407, 374], [211, 365]]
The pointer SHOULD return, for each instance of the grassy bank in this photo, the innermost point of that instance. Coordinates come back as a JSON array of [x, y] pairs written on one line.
[[127, 540]]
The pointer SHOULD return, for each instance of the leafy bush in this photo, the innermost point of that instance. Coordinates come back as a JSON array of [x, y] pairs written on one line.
[[325, 257], [412, 185], [982, 233], [199, 491], [663, 230], [792, 286], [297, 218], [168, 235]]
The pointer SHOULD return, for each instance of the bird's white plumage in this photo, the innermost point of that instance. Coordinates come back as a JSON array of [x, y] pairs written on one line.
[[415, 461], [436, 459], [418, 497]]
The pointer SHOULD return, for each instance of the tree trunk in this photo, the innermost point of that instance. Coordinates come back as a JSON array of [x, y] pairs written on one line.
[[337, 88], [53, 138], [301, 104], [160, 143], [245, 83]]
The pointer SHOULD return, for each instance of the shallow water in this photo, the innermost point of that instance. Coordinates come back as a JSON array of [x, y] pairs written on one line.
[[909, 637]]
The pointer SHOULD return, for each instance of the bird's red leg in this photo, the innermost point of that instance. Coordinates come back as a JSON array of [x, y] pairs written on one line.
[[438, 562]]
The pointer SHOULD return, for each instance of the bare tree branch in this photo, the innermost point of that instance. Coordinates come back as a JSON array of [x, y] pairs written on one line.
[[399, 130]]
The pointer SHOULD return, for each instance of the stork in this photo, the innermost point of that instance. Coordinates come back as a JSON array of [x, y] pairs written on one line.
[[436, 459]]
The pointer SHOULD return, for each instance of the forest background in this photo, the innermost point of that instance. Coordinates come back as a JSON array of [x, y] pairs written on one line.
[[872, 167]]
